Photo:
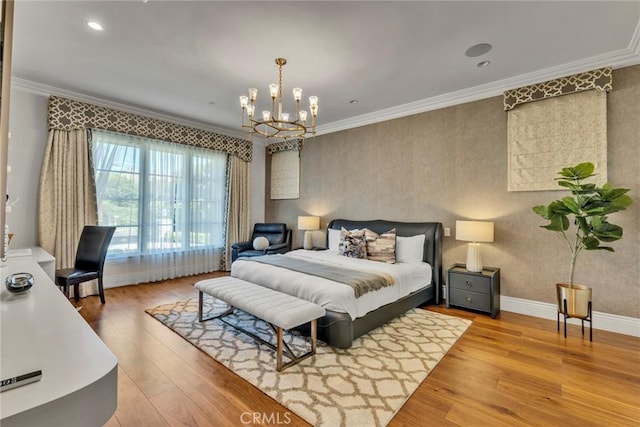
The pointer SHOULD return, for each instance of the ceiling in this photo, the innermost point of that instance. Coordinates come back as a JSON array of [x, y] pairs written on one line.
[[191, 60]]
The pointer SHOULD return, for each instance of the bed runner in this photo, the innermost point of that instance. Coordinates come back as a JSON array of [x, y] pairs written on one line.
[[361, 281]]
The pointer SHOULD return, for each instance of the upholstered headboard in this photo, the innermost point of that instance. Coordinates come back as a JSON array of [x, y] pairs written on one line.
[[432, 253]]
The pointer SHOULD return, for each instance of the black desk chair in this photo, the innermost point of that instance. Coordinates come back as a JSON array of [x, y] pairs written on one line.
[[92, 250], [277, 234]]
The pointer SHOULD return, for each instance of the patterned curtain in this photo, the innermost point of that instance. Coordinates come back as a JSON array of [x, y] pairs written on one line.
[[67, 196], [238, 216], [61, 217]]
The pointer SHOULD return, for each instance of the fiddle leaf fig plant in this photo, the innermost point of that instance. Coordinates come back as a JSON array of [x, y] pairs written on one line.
[[588, 208]]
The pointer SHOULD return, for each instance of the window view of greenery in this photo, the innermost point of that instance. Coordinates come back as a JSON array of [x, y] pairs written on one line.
[[163, 197]]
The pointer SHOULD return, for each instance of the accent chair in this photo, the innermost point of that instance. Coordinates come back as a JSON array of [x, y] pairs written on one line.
[[277, 234]]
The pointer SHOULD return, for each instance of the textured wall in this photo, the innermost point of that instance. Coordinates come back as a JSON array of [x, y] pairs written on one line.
[[452, 164]]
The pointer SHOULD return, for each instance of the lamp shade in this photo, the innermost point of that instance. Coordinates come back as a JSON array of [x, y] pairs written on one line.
[[308, 223], [474, 231]]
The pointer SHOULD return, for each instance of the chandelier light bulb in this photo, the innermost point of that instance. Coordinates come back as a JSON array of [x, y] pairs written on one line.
[[297, 93], [313, 101], [253, 94], [273, 89], [244, 100], [303, 115], [285, 117], [266, 115], [250, 110]]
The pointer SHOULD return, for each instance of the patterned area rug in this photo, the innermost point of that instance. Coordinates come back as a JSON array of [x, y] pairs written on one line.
[[364, 385]]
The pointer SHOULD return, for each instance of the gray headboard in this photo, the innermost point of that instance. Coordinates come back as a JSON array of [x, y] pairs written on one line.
[[433, 232]]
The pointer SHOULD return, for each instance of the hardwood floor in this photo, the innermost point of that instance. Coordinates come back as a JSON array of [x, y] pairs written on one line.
[[514, 370]]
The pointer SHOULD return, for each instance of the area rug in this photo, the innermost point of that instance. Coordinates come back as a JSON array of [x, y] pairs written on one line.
[[364, 385]]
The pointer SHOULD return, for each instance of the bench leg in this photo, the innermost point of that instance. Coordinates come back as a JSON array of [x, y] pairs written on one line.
[[314, 330], [217, 316], [294, 359], [279, 341]]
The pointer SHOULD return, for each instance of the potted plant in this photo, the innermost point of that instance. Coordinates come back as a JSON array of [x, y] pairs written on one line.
[[588, 207]]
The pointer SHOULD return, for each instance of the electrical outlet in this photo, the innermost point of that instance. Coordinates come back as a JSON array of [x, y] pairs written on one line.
[[447, 232]]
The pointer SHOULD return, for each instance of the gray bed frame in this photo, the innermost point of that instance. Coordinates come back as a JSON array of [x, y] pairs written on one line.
[[339, 330]]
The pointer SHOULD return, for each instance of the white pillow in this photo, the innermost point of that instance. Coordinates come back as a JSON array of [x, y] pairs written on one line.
[[410, 249], [334, 240], [260, 243]]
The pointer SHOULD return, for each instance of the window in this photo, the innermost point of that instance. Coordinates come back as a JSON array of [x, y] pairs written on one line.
[[163, 197]]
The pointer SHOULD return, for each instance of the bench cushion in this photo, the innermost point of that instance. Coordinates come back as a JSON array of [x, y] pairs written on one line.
[[275, 307]]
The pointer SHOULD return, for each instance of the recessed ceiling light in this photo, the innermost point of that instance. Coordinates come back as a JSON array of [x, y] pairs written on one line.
[[95, 25], [478, 50], [353, 101], [484, 64]]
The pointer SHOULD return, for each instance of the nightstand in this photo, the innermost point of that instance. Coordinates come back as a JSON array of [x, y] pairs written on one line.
[[474, 291]]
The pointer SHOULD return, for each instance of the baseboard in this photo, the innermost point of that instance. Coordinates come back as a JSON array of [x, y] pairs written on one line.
[[605, 321]]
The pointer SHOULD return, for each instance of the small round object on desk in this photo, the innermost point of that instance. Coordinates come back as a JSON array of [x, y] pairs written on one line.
[[18, 283]]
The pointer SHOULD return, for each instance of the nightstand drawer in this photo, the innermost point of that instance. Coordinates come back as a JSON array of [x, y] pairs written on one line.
[[468, 282], [469, 299]]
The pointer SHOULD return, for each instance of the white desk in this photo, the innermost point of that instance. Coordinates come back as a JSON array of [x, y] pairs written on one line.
[[41, 330], [46, 261]]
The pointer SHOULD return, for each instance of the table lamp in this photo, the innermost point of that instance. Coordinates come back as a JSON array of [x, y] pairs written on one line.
[[308, 224], [475, 232]]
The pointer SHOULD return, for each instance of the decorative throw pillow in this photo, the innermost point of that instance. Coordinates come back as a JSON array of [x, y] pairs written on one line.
[[353, 244], [381, 247], [260, 243], [343, 233]]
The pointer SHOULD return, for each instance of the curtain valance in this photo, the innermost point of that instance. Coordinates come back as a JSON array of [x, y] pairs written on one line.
[[290, 144], [600, 79], [67, 114]]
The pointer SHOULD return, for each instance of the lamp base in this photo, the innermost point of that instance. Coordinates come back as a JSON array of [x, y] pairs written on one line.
[[474, 263], [308, 240]]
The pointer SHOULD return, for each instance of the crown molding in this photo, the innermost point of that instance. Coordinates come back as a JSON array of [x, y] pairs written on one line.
[[28, 86], [617, 59]]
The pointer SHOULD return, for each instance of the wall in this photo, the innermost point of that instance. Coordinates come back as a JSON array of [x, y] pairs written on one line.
[[452, 164], [28, 127]]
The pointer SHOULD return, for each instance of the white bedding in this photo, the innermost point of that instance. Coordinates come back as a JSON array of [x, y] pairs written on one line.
[[331, 295]]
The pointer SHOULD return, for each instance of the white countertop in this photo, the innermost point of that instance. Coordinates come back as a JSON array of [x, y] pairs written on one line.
[[42, 330]]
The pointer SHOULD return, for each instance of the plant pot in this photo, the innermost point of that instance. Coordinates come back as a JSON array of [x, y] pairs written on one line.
[[578, 298]]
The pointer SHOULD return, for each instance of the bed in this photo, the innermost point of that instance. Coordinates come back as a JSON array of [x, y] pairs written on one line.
[[347, 317]]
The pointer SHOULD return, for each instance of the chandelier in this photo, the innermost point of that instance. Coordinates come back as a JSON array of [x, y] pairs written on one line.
[[276, 123]]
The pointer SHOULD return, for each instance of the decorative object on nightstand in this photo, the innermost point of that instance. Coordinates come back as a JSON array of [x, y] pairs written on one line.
[[474, 232], [590, 207], [308, 224], [478, 291]]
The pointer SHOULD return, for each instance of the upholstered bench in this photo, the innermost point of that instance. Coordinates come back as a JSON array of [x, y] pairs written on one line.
[[281, 311]]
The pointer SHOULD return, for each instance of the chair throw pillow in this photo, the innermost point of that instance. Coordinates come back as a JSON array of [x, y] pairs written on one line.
[[381, 247], [353, 244], [260, 243]]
